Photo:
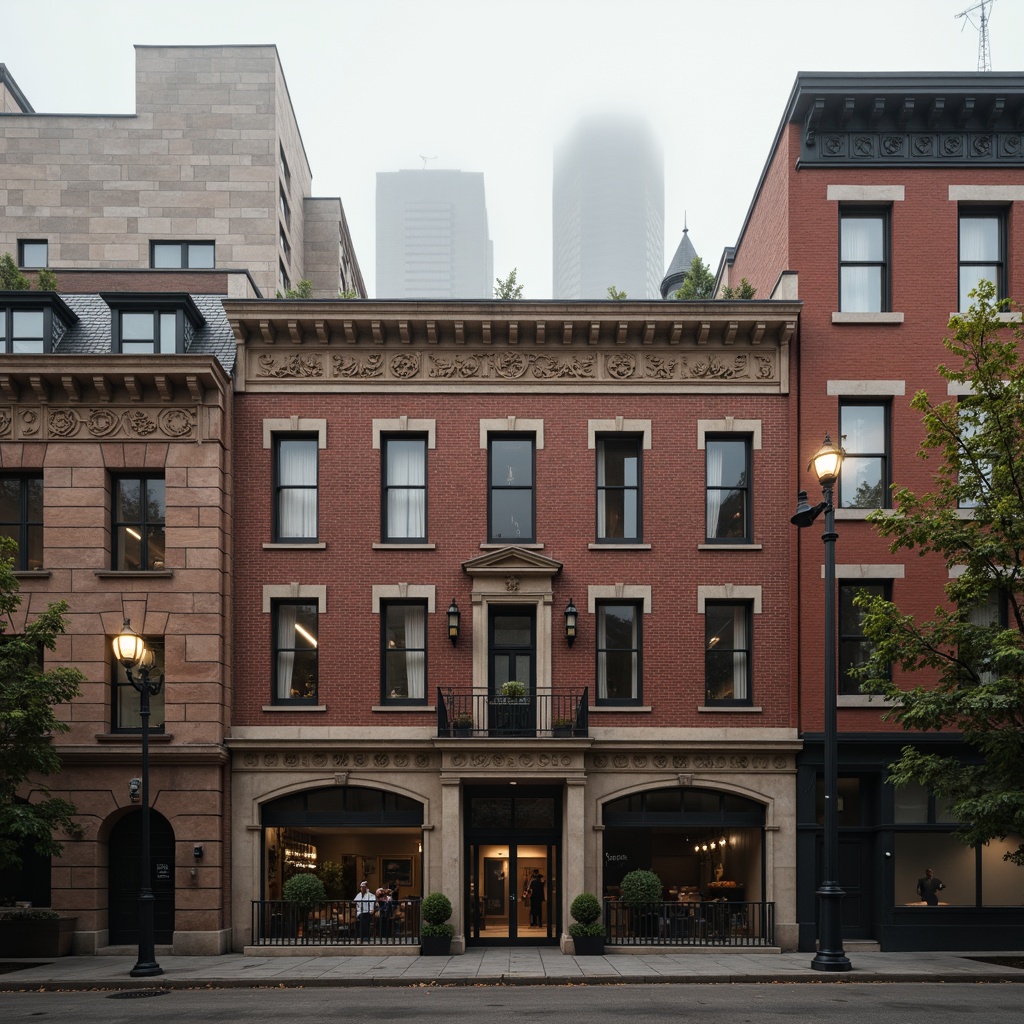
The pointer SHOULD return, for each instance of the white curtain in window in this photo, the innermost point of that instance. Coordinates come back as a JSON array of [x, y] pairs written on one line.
[[415, 657], [602, 658], [286, 616], [739, 656], [406, 492], [714, 489], [979, 239], [298, 511]]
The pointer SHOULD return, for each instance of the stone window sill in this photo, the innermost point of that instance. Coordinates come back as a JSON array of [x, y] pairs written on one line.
[[32, 574], [729, 547], [133, 737], [619, 547], [867, 318], [300, 546], [133, 574], [292, 708], [399, 546], [729, 709]]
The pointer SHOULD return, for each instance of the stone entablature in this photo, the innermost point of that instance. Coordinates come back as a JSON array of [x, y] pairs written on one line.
[[111, 398], [359, 345]]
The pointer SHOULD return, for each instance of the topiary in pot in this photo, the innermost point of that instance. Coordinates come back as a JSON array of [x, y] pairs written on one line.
[[588, 930], [641, 891], [435, 933], [303, 890]]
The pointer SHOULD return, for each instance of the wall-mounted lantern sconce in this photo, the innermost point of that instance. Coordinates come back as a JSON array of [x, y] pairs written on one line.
[[453, 622], [570, 622], [134, 787]]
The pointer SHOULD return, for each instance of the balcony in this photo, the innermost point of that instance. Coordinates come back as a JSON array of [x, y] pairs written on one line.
[[556, 712]]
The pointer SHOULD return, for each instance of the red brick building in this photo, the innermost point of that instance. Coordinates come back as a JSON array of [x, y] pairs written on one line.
[[884, 200], [395, 462]]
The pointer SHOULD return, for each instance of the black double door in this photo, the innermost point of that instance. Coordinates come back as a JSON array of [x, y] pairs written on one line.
[[125, 859]]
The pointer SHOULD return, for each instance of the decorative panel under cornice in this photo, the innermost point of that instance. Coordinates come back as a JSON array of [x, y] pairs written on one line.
[[349, 345]]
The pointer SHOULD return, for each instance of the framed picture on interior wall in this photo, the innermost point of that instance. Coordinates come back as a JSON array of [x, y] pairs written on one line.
[[399, 869], [369, 869]]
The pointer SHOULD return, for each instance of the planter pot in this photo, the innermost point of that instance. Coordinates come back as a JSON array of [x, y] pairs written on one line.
[[460, 730], [435, 945], [37, 938], [562, 731], [589, 945]]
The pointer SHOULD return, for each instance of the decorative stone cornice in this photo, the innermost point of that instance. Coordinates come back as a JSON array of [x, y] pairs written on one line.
[[111, 397], [346, 345]]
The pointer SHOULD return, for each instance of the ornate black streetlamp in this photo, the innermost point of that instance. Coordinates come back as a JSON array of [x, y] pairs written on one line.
[[131, 650], [830, 956]]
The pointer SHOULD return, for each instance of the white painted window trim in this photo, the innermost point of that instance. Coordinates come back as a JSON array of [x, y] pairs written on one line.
[[618, 425], [405, 425], [619, 592], [728, 425], [403, 592], [294, 425], [513, 425], [728, 592]]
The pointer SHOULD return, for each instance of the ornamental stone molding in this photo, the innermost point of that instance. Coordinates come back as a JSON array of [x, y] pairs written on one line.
[[102, 424], [347, 344], [705, 761], [313, 760]]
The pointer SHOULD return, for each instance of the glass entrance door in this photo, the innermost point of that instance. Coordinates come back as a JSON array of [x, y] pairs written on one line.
[[514, 893]]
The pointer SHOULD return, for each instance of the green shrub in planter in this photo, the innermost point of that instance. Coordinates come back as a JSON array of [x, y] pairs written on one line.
[[435, 911], [305, 889], [513, 688], [640, 887], [586, 913]]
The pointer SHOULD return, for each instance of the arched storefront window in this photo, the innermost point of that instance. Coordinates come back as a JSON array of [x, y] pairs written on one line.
[[697, 841], [345, 834]]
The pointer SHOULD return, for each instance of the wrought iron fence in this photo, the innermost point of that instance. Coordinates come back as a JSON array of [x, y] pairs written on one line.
[[335, 922], [546, 712], [704, 923]]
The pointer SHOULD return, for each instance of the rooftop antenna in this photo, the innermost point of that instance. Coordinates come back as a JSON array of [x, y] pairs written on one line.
[[425, 159], [984, 51]]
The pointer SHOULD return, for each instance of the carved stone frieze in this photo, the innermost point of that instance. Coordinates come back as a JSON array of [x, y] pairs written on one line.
[[702, 762], [289, 366], [479, 759], [177, 423], [322, 759]]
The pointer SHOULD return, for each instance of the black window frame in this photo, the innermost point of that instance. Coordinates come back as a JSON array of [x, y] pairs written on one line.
[[120, 686], [745, 489], [852, 633], [869, 212], [24, 526], [712, 652], [185, 253], [278, 487], [277, 650], [885, 456], [603, 490], [494, 489], [286, 171], [143, 523], [602, 650], [188, 318], [282, 277], [386, 688], [981, 212], [117, 331], [22, 242], [386, 488], [286, 209]]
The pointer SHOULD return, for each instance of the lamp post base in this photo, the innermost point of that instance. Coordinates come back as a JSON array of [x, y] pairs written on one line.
[[830, 955], [826, 960], [145, 970]]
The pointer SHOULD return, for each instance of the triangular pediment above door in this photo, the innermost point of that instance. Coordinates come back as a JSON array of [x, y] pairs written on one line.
[[514, 560]]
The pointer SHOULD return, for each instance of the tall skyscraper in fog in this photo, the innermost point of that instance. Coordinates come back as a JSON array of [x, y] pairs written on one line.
[[432, 238], [608, 211]]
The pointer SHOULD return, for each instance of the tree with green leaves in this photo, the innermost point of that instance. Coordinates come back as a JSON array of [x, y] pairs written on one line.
[[744, 290], [615, 294], [303, 290], [699, 282], [28, 697], [508, 287], [11, 278], [971, 648]]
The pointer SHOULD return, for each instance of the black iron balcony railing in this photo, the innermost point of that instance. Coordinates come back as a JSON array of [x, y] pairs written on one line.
[[547, 711], [704, 923], [334, 923]]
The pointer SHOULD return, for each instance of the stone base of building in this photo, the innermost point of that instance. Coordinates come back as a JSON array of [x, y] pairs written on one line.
[[211, 943], [309, 951]]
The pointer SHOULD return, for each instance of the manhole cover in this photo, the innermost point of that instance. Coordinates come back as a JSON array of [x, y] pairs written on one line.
[[139, 993]]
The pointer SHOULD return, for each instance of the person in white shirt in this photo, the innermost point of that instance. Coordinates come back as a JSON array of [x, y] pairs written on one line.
[[365, 902]]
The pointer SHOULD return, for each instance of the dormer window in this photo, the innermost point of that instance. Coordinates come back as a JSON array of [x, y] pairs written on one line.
[[32, 322], [158, 324]]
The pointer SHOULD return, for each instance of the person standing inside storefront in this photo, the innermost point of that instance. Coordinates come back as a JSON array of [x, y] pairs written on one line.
[[536, 891], [365, 902], [929, 887]]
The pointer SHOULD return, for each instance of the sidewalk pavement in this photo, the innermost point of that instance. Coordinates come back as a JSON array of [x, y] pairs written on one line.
[[519, 965]]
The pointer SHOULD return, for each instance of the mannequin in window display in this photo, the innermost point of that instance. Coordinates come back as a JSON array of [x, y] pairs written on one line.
[[929, 887]]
